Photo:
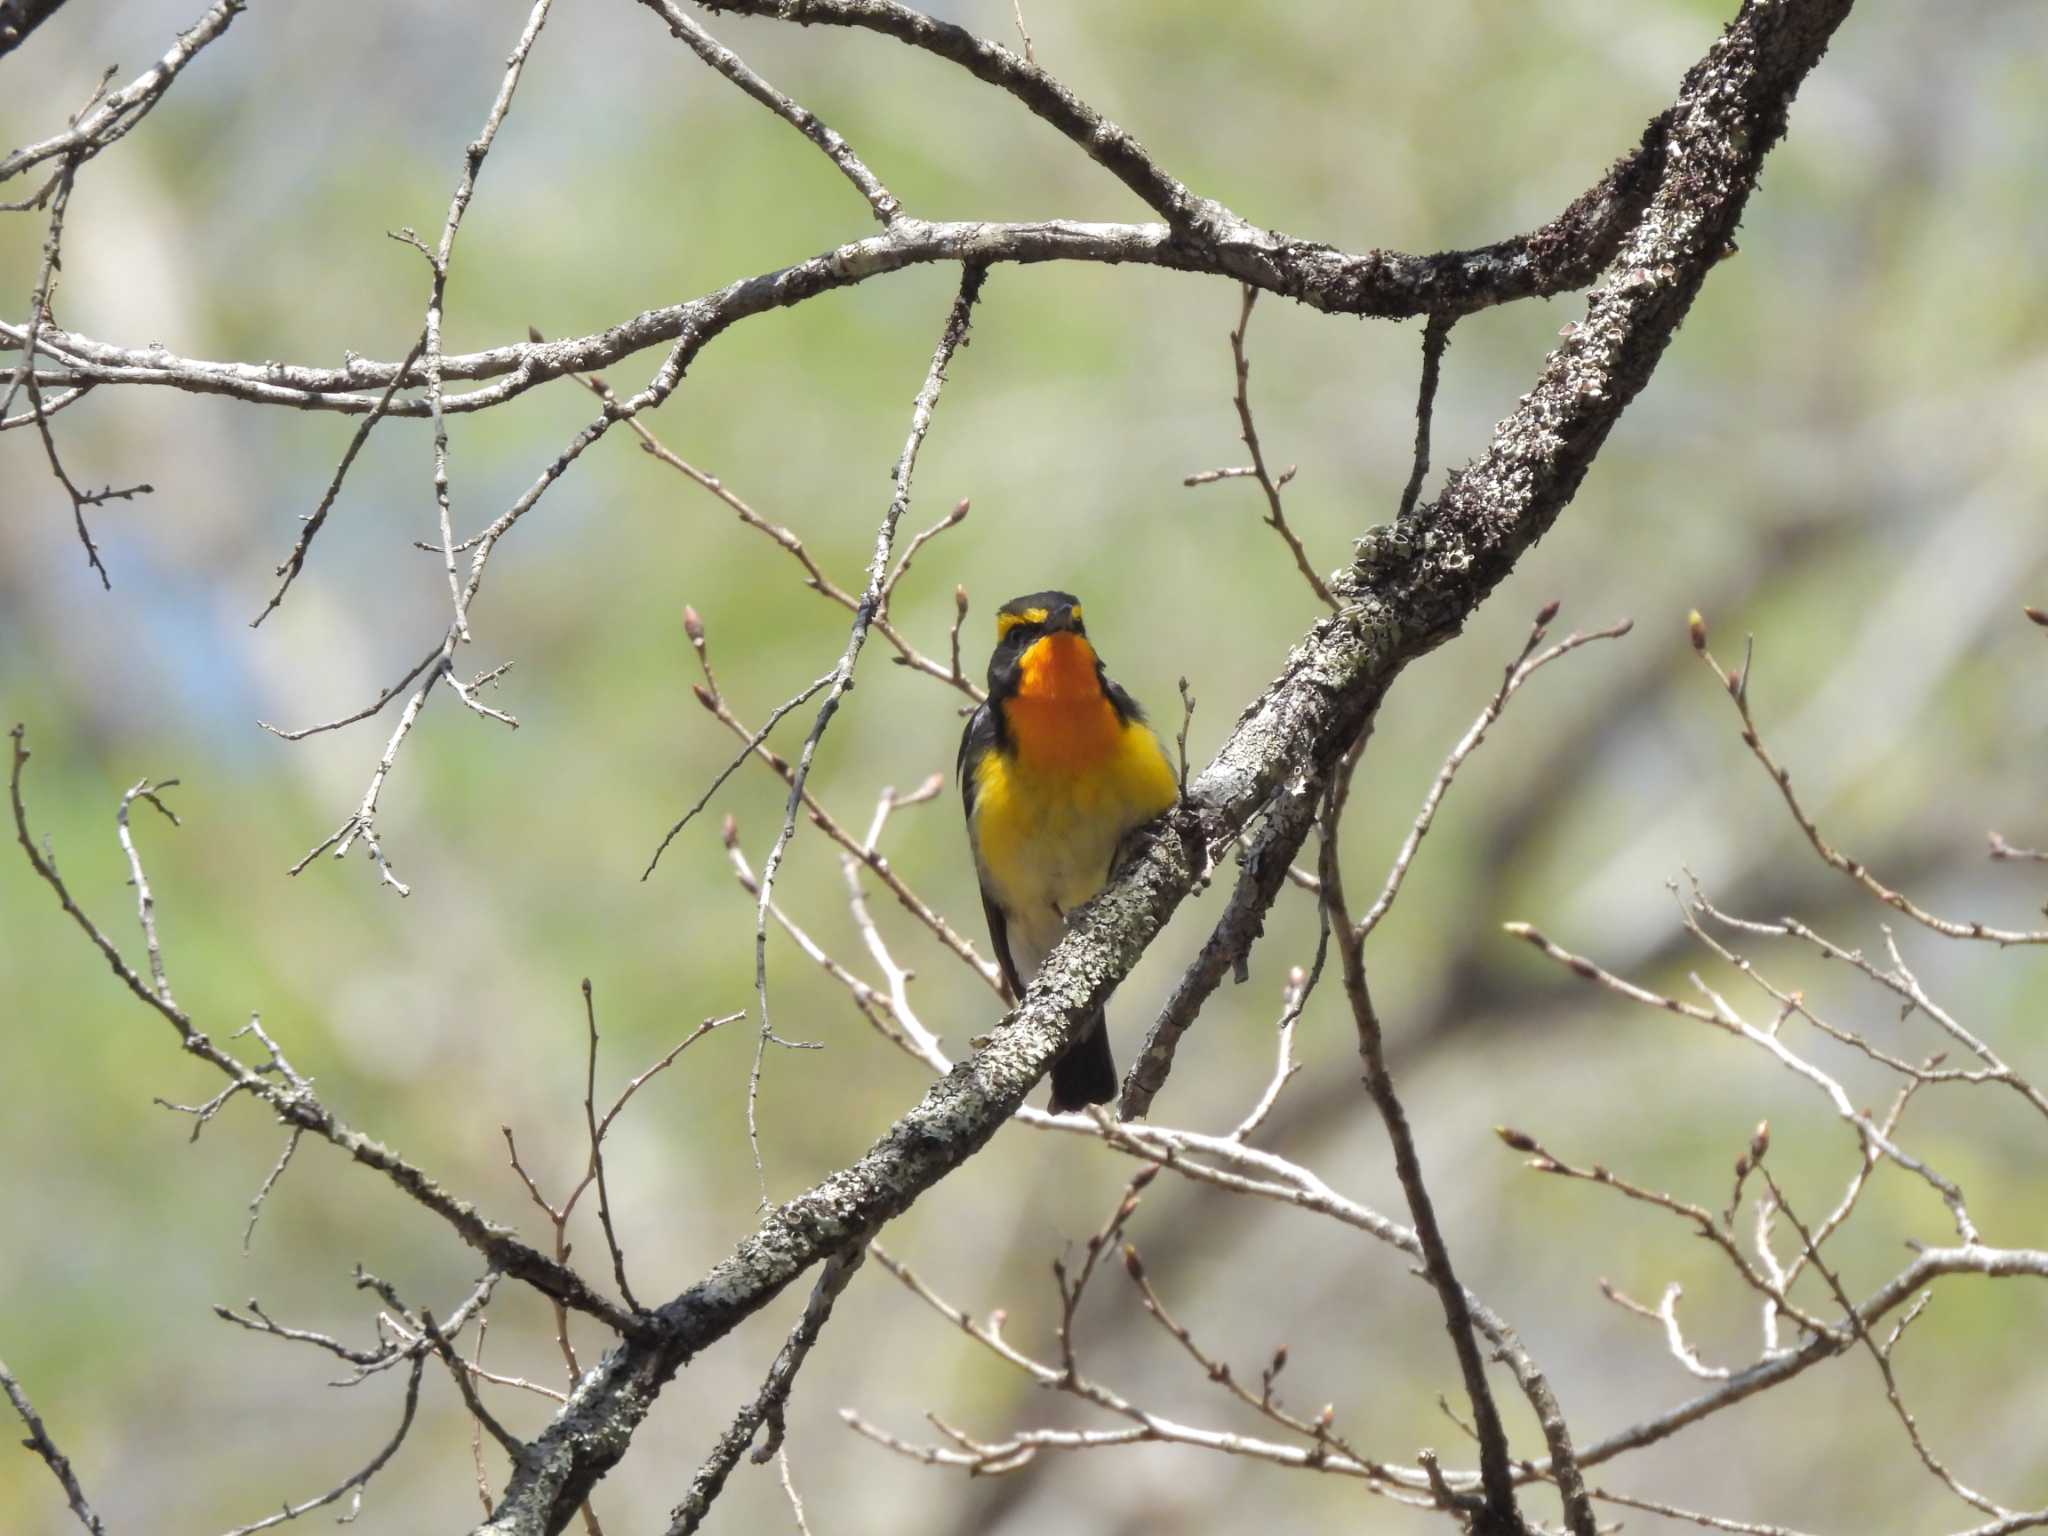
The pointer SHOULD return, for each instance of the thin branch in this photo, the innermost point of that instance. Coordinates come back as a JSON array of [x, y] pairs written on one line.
[[596, 1132], [979, 1458], [734, 68], [1726, 1019], [476, 1431], [833, 828], [1294, 997], [291, 1145], [39, 311], [2002, 850], [40, 1442], [1737, 687], [753, 743], [952, 519], [295, 1104], [356, 1481], [1692, 1516], [1501, 1514], [1276, 516], [815, 577], [1899, 980], [438, 261], [458, 1368], [1563, 255], [295, 562], [769, 1406], [118, 113], [72, 394], [374, 707], [1882, 1355], [950, 340], [1518, 672], [1717, 1232], [1262, 868], [1017, 6], [1436, 336]]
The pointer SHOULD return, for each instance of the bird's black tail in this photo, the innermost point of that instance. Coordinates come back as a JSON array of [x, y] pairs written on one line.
[[1087, 1073]]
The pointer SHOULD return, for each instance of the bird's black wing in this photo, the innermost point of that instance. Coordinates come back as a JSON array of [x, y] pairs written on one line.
[[981, 736], [1127, 708]]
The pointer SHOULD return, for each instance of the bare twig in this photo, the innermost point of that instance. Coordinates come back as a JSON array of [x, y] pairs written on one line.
[[1899, 980], [2001, 849], [475, 1365], [1436, 336], [295, 562], [1882, 1355], [1276, 515], [604, 1203], [295, 1103], [1736, 684], [1501, 1514], [952, 519], [597, 1128], [807, 123], [291, 1145], [438, 260], [769, 1406], [837, 831], [1263, 867], [950, 340], [40, 1442], [1017, 6], [356, 1481], [815, 577], [117, 113], [459, 1370], [1180, 740], [1722, 1017], [753, 743], [1518, 672]]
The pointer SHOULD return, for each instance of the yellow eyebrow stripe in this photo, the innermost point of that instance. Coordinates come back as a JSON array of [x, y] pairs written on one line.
[[1005, 622]]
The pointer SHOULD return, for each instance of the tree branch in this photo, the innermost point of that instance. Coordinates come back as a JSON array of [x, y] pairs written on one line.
[[40, 1442], [1563, 255]]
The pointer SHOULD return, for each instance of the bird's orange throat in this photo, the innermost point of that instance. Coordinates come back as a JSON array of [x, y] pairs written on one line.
[[1059, 715]]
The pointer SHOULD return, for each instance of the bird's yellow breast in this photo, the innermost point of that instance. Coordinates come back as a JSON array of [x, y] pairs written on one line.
[[1050, 812]]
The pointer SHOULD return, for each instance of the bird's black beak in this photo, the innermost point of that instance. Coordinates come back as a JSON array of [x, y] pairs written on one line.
[[1062, 620]]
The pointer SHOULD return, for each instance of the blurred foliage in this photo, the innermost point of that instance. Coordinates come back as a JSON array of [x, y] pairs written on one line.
[[1841, 455]]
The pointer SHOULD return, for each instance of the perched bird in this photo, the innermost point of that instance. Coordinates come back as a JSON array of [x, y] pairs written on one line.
[[1056, 767]]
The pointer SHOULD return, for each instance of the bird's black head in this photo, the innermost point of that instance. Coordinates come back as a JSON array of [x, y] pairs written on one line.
[[1024, 621]]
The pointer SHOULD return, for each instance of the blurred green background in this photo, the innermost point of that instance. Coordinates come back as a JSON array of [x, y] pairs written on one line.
[[1842, 454]]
